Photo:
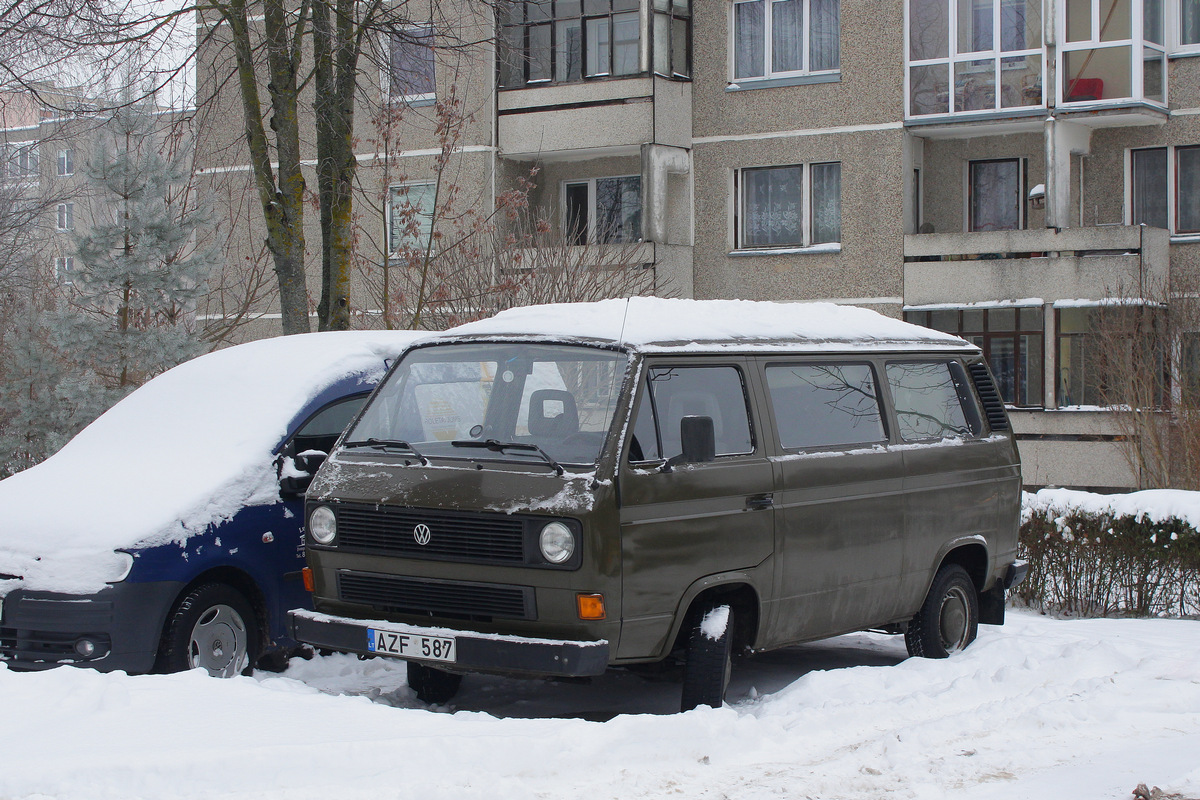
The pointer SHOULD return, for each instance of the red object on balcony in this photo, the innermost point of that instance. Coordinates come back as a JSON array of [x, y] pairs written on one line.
[[1083, 89]]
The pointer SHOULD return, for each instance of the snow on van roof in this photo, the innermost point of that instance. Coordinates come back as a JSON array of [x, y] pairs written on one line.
[[187, 449], [655, 323]]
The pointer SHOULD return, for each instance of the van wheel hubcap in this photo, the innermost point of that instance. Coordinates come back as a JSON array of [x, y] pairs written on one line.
[[218, 642], [953, 622]]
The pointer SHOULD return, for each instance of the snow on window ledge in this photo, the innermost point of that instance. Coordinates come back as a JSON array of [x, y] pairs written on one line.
[[829, 247]]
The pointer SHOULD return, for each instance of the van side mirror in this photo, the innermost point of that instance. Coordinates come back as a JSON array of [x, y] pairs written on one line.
[[296, 472], [698, 439]]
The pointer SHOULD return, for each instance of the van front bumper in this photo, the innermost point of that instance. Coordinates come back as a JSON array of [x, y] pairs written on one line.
[[474, 652]]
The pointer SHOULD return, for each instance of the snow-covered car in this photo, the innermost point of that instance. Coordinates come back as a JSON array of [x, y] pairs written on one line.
[[167, 535]]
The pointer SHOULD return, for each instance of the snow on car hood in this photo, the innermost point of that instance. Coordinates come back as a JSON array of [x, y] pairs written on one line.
[[189, 448]]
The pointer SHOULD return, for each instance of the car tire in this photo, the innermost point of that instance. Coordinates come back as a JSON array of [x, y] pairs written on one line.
[[708, 660], [433, 686], [949, 618], [213, 627]]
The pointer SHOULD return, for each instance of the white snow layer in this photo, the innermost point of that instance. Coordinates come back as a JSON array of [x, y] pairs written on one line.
[[187, 449], [648, 321], [1155, 505], [715, 622], [1040, 709]]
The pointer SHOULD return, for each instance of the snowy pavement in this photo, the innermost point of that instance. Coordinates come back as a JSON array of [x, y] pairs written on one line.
[[1041, 708]]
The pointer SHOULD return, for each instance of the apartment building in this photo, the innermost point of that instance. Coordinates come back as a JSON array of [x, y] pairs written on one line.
[[1001, 169]]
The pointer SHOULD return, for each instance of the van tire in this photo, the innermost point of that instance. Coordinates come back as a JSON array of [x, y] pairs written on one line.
[[949, 618], [433, 686], [213, 627], [707, 662]]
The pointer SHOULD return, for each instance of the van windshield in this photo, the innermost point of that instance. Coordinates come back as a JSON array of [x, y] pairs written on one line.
[[499, 401]]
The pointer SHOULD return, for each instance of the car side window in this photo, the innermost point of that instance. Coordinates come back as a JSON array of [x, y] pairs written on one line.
[[825, 405], [678, 392], [322, 429], [927, 400]]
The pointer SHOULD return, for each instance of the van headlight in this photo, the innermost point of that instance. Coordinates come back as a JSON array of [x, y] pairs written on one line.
[[322, 525], [557, 543]]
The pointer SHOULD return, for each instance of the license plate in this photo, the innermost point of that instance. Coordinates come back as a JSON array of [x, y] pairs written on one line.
[[408, 644]]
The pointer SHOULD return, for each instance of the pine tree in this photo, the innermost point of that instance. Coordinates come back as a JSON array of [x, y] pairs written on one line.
[[138, 272]]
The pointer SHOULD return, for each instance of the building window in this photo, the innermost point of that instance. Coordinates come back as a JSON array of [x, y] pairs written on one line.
[[603, 210], [410, 217], [1164, 189], [64, 269], [1112, 355], [21, 162], [783, 38], [66, 216], [1189, 25], [66, 163], [789, 206], [673, 38], [996, 195], [1099, 58], [411, 65], [560, 41], [1011, 340], [973, 55]]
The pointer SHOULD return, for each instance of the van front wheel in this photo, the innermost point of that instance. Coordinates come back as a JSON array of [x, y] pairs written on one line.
[[709, 658], [949, 618], [433, 686]]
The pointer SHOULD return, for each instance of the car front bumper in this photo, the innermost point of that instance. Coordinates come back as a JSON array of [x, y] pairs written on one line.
[[476, 652], [123, 624]]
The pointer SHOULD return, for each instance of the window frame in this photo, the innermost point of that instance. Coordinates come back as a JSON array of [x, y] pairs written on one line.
[[806, 215], [64, 267], [388, 71], [884, 423], [1173, 201], [415, 243], [65, 217], [768, 72], [65, 162], [969, 220], [984, 339], [22, 163], [592, 232], [518, 53]]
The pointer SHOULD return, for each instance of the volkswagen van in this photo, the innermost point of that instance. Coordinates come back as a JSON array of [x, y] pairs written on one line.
[[564, 489]]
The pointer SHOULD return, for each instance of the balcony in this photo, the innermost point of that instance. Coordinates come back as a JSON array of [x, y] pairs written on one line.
[[1070, 264]]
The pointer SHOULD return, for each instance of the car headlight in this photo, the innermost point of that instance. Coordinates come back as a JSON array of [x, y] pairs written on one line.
[[322, 525], [118, 567], [557, 543]]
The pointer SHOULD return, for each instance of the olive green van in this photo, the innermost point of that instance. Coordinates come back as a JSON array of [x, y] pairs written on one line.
[[563, 489]]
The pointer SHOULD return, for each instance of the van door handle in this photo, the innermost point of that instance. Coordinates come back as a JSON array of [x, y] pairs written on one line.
[[759, 501]]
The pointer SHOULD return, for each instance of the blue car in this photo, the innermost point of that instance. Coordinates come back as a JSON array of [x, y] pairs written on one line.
[[167, 534]]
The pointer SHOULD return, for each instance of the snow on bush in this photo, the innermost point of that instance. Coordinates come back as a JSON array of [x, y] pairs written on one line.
[[1105, 555]]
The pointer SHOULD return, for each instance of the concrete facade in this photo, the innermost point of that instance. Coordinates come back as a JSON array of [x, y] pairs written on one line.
[[978, 172]]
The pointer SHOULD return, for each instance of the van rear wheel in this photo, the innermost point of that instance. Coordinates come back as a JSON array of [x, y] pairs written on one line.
[[709, 658], [433, 686], [949, 618]]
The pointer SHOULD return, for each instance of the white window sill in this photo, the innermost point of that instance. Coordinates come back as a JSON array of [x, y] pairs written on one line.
[[746, 84], [829, 247], [1186, 53], [1185, 238]]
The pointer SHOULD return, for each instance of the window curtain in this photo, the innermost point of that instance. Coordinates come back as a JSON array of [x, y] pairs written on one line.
[[826, 203], [995, 196], [1189, 32], [826, 31], [787, 36], [412, 63], [1150, 187], [749, 39], [1187, 174], [772, 207]]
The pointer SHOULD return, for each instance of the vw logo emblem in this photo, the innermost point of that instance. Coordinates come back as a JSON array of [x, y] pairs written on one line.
[[421, 534]]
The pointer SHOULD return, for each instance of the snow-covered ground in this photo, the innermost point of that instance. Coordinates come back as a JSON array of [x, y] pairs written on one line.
[[1040, 708]]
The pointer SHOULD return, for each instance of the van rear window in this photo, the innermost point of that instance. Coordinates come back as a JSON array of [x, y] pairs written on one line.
[[824, 405], [927, 401]]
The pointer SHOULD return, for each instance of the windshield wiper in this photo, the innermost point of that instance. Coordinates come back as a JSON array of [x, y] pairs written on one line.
[[497, 446], [388, 444]]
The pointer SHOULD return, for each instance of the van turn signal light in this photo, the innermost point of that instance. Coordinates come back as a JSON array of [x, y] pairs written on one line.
[[306, 573], [591, 606]]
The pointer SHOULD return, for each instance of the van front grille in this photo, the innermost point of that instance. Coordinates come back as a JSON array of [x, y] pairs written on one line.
[[454, 599], [435, 535]]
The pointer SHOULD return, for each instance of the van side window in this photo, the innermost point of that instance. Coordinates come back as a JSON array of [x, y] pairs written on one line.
[[821, 405], [716, 392], [927, 400]]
